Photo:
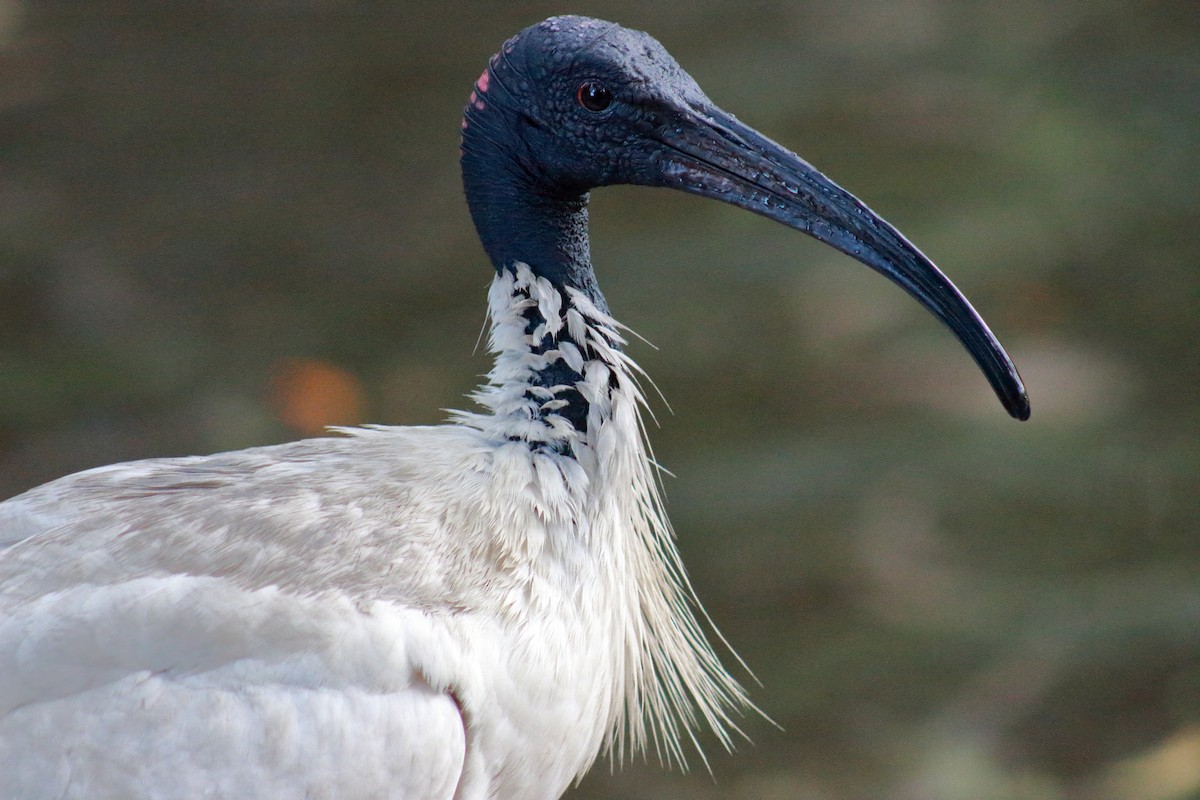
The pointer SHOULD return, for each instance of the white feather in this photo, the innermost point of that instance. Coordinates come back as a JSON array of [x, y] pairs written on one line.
[[472, 610]]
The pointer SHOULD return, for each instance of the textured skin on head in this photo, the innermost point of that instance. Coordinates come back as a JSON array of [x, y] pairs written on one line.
[[531, 114], [531, 153]]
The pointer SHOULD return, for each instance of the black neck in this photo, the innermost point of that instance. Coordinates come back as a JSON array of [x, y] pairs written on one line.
[[521, 219], [518, 221]]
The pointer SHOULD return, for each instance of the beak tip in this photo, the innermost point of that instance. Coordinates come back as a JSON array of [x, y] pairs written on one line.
[[1017, 404]]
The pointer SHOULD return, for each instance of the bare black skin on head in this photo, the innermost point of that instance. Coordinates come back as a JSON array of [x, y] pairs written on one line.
[[531, 151]]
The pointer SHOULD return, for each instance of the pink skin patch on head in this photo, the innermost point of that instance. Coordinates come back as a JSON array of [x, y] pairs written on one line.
[[476, 102], [481, 87]]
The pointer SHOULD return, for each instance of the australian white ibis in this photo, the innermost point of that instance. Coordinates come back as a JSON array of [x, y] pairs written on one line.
[[470, 610]]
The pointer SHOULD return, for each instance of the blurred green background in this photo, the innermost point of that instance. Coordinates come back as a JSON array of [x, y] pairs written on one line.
[[224, 223]]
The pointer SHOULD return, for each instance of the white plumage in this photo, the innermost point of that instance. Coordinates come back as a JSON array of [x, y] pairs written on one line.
[[423, 612]]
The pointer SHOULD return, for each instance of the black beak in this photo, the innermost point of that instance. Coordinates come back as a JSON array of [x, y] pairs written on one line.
[[713, 155]]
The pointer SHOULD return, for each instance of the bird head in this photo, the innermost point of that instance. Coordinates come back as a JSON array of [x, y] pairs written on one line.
[[578, 103], [574, 103]]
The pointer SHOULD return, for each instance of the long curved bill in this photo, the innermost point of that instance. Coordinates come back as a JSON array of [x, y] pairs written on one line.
[[715, 155]]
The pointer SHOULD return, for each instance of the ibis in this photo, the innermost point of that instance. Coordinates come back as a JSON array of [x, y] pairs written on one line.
[[470, 610]]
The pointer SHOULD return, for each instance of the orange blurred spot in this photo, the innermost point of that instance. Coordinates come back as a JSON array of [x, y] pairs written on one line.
[[309, 395]]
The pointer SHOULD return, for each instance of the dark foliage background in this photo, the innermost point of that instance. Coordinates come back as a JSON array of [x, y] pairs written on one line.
[[225, 223]]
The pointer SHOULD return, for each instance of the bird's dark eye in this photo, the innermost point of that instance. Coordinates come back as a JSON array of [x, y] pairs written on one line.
[[593, 96]]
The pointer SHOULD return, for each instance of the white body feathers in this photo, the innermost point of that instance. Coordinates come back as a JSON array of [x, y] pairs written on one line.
[[473, 610]]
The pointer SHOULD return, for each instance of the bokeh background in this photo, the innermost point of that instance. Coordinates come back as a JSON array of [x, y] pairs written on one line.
[[225, 224]]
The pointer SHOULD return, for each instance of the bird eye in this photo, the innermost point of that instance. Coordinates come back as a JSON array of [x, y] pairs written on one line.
[[593, 96]]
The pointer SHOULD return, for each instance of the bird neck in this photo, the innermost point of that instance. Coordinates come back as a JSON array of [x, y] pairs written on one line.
[[537, 239], [559, 365], [521, 221]]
